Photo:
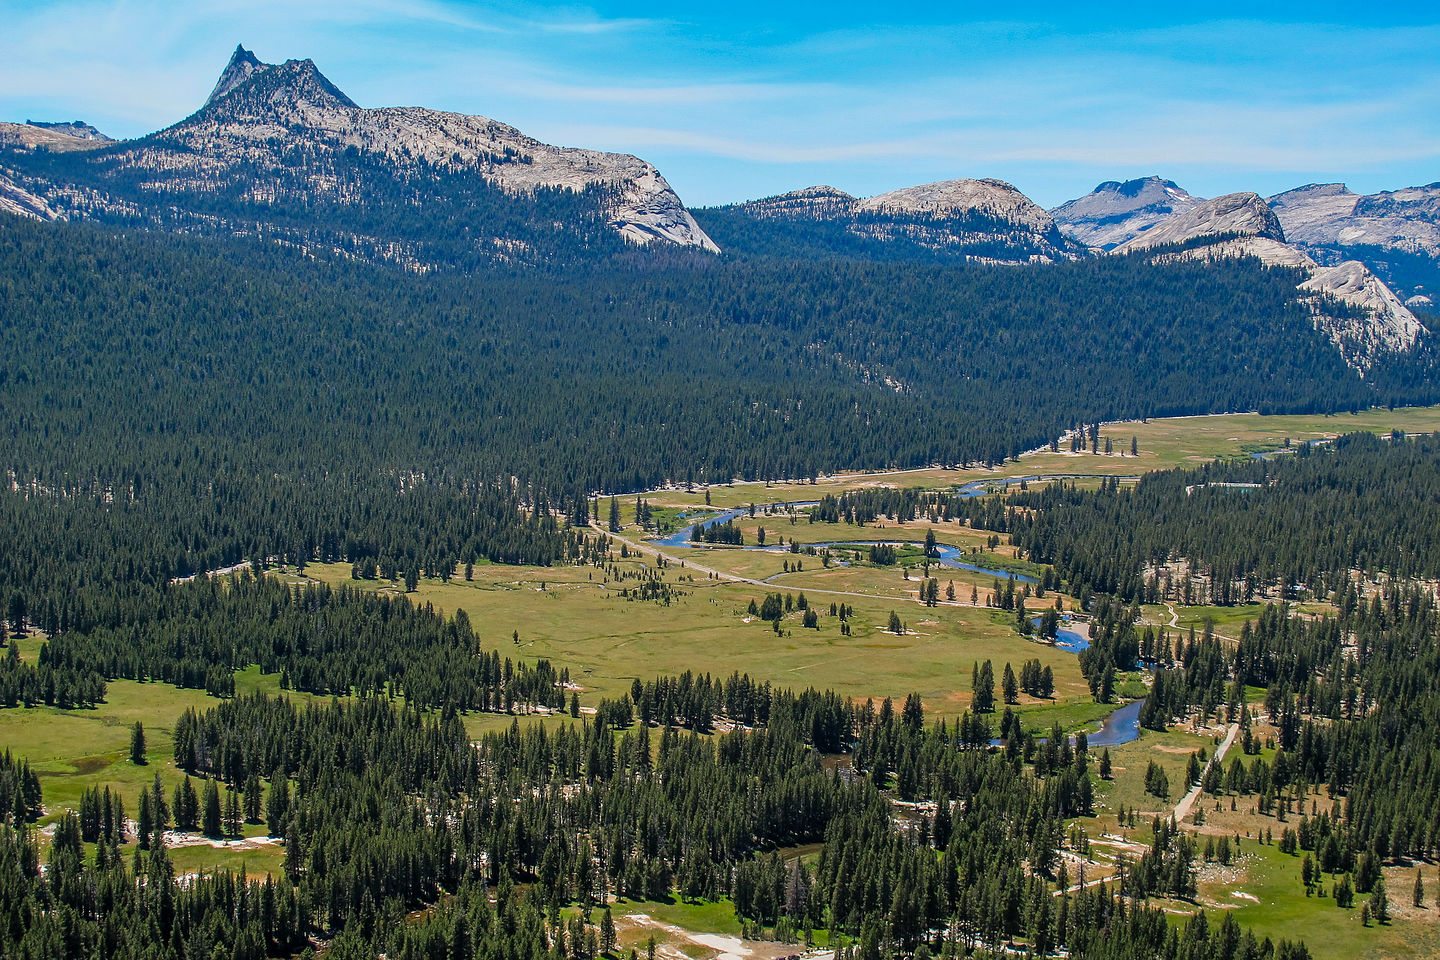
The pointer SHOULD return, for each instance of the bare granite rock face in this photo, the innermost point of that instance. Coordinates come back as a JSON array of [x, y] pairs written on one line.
[[36, 136], [1115, 212], [1235, 214], [995, 198], [1243, 225], [21, 202], [1392, 327], [78, 129], [1329, 215]]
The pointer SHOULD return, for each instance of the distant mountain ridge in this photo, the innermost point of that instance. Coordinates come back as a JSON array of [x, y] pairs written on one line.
[[1395, 233], [71, 128], [278, 152], [1115, 212], [1330, 215], [273, 139], [985, 221]]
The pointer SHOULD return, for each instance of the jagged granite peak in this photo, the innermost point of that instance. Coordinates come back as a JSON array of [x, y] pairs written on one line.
[[242, 66], [78, 129], [1116, 211], [294, 90], [256, 105], [1330, 216], [1234, 214]]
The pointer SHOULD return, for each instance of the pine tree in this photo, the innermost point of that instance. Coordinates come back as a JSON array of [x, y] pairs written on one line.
[[1344, 893], [253, 802], [137, 744], [210, 819], [607, 922], [1380, 903], [614, 524], [983, 687], [144, 820], [232, 816], [187, 806], [1418, 895], [1009, 685]]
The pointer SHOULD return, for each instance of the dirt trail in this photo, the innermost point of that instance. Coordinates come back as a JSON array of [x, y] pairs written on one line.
[[725, 947], [1182, 809]]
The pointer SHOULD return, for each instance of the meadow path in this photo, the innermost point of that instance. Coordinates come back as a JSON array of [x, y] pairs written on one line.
[[1182, 809]]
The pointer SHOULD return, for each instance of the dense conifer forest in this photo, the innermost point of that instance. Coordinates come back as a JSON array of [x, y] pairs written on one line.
[[1244, 530], [178, 404]]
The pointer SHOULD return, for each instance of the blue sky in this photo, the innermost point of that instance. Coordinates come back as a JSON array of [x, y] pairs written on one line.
[[740, 100]]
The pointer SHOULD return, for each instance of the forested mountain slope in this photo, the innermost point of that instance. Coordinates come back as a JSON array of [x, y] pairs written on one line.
[[179, 404], [980, 221]]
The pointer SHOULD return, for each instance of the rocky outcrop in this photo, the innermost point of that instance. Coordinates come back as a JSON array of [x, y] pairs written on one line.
[[72, 128], [33, 136], [994, 198], [1233, 215], [1390, 327], [986, 221], [21, 202], [1115, 212], [242, 66], [1328, 215]]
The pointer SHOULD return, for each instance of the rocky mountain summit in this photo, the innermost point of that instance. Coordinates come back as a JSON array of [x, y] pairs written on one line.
[[1233, 215], [72, 128], [1396, 233], [57, 137], [987, 221], [254, 102], [275, 135], [1115, 212]]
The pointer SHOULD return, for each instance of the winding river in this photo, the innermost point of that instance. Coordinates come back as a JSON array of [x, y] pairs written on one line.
[[946, 556], [1122, 725]]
